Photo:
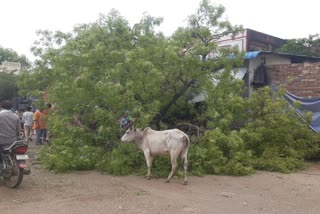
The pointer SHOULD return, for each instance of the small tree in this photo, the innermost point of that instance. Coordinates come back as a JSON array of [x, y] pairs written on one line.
[[8, 87], [304, 46], [10, 55]]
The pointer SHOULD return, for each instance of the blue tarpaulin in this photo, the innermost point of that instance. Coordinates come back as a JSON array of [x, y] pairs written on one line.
[[307, 104], [252, 55]]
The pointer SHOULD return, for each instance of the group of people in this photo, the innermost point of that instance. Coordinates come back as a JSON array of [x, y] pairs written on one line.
[[39, 123], [36, 122], [11, 124], [29, 123]]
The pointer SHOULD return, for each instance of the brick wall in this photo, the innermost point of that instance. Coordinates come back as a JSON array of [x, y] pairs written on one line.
[[302, 80]]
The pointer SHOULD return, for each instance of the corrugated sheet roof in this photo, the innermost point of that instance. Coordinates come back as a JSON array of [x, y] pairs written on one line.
[[240, 73]]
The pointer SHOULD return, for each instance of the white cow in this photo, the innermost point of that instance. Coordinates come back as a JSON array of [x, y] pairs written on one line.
[[151, 142]]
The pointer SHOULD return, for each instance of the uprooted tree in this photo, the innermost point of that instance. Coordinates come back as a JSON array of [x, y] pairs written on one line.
[[102, 69]]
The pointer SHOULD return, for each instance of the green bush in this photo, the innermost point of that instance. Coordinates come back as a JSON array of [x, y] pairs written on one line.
[[279, 164], [125, 159], [71, 148], [66, 154], [217, 153], [279, 139]]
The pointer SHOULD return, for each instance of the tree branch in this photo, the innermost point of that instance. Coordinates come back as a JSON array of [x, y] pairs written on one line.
[[165, 109], [190, 128]]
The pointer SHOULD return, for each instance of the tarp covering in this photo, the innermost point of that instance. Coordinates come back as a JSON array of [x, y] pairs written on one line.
[[307, 104], [252, 55], [255, 54]]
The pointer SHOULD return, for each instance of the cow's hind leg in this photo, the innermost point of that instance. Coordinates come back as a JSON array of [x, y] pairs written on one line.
[[149, 159], [173, 167], [185, 168], [184, 157]]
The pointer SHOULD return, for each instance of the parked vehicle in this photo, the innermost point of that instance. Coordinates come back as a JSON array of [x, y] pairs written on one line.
[[13, 164]]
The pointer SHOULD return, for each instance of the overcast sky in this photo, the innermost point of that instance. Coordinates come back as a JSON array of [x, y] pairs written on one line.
[[20, 19]]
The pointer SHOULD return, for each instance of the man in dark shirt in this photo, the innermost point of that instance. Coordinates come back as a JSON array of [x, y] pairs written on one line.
[[9, 124]]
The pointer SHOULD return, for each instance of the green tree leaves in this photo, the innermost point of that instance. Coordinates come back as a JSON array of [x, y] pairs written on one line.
[[10, 55], [8, 86], [304, 46]]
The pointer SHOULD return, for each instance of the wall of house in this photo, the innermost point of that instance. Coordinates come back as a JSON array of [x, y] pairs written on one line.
[[302, 80], [251, 40], [14, 67], [271, 59], [253, 64], [240, 41], [266, 59], [258, 41]]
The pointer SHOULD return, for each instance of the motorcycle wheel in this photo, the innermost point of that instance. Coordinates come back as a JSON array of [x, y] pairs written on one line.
[[15, 178]]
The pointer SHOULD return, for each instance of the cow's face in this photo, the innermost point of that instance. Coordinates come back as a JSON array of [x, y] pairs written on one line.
[[129, 135]]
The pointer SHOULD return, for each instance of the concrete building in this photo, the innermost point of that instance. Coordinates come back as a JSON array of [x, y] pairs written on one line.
[[259, 62], [14, 67], [260, 53], [299, 74], [251, 40]]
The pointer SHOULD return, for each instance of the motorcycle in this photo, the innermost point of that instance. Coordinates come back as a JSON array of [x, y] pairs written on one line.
[[13, 163]]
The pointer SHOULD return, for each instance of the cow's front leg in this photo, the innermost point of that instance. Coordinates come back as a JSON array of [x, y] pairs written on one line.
[[149, 159]]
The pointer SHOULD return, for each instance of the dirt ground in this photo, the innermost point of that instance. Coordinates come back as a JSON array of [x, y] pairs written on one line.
[[92, 192]]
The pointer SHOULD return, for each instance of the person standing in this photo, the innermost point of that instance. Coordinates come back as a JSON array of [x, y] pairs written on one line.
[[36, 125], [27, 119], [43, 122], [125, 120], [9, 124]]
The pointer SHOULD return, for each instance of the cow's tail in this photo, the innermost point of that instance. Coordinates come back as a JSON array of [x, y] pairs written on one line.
[[186, 142]]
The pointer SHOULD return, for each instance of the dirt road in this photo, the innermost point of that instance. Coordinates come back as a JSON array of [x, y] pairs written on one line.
[[92, 192]]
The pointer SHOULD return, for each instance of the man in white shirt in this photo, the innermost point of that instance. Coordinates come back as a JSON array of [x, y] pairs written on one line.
[[27, 119]]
